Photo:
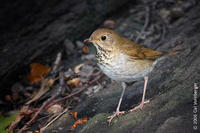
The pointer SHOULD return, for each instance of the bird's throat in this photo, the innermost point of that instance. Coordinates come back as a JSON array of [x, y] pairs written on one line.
[[102, 55]]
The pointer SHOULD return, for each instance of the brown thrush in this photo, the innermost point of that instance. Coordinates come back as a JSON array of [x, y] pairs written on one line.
[[124, 61]]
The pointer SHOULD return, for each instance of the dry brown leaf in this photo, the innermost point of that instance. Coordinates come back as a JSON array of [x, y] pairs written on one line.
[[49, 83], [77, 68], [85, 49], [74, 114], [68, 73], [37, 131], [55, 109], [38, 72], [79, 122], [76, 82], [109, 24]]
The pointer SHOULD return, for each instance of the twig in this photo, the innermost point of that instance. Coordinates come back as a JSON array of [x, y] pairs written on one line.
[[61, 99], [43, 128], [56, 63], [145, 25], [76, 93], [62, 81]]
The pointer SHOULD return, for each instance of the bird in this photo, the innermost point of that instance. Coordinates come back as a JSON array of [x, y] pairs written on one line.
[[124, 61]]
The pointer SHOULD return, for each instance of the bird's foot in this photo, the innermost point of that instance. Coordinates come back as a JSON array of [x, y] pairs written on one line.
[[140, 106], [114, 115]]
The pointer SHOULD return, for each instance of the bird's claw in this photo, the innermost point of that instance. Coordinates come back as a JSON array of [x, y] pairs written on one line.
[[140, 106], [114, 115]]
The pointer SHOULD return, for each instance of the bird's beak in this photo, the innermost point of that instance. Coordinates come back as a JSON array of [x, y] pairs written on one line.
[[90, 40], [87, 40]]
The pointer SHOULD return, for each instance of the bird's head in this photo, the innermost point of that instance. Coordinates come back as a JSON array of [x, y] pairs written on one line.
[[104, 38]]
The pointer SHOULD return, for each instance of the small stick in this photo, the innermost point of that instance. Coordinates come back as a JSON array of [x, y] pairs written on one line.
[[145, 25], [77, 92], [62, 81], [61, 99], [43, 128], [56, 63]]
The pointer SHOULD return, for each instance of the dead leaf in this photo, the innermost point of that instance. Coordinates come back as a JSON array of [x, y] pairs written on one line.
[[38, 72], [79, 122], [76, 82], [74, 114], [77, 68], [55, 109], [49, 83], [68, 73], [109, 24], [85, 49]]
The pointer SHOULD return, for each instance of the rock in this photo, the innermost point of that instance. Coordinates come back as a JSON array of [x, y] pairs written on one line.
[[34, 31], [79, 44], [69, 47], [170, 90]]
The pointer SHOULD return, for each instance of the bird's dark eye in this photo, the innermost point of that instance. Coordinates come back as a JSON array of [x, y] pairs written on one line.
[[103, 38]]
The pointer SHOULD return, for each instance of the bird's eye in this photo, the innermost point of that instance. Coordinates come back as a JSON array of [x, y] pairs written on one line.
[[103, 38]]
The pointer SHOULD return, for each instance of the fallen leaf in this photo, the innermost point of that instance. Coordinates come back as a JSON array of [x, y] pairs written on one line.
[[79, 122], [38, 72], [76, 82], [74, 114], [77, 68], [109, 24], [49, 83], [85, 49], [68, 73], [55, 109]]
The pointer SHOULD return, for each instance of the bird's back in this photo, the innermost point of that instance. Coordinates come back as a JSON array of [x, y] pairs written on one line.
[[136, 51]]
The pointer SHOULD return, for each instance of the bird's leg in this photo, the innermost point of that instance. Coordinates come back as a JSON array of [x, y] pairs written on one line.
[[117, 112], [143, 96]]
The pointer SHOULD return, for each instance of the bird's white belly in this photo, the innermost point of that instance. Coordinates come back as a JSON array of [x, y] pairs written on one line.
[[125, 70]]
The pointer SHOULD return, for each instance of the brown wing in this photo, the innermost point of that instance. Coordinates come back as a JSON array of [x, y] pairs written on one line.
[[139, 52]]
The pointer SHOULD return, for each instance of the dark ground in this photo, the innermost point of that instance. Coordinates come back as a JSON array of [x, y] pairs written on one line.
[[36, 31], [170, 90]]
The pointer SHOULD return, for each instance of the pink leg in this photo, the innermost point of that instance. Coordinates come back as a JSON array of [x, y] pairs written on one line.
[[143, 97], [118, 107]]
